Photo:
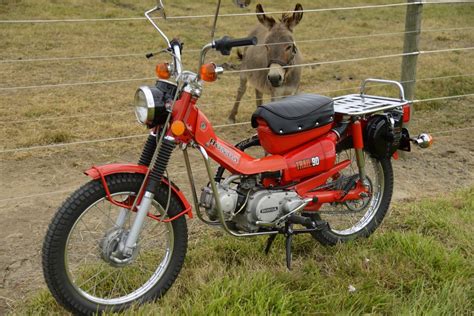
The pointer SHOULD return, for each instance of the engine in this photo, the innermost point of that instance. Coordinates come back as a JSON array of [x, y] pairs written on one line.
[[248, 207]]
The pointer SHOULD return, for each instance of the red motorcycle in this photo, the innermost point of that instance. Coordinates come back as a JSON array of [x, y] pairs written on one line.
[[121, 238]]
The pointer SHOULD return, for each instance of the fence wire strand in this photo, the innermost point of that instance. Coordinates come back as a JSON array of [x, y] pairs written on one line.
[[225, 15], [143, 135], [15, 198], [227, 103], [68, 190], [194, 50], [62, 85]]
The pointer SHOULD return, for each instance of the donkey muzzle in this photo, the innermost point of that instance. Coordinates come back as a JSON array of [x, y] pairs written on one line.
[[276, 75]]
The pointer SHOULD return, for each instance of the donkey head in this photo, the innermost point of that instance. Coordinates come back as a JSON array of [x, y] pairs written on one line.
[[279, 42]]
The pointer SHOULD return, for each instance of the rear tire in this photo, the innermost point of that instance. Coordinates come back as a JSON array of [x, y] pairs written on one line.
[[374, 209], [72, 287]]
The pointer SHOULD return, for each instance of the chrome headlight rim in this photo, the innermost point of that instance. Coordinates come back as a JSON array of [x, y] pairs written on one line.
[[150, 106]]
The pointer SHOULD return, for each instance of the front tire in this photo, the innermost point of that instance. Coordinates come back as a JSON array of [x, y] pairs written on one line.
[[75, 270], [358, 219]]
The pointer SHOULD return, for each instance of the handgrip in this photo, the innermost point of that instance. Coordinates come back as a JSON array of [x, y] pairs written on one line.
[[225, 44]]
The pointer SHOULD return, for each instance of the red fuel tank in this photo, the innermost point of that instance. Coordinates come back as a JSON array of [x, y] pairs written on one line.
[[310, 159]]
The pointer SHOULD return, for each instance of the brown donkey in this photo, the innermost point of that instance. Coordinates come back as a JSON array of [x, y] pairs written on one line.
[[275, 50]]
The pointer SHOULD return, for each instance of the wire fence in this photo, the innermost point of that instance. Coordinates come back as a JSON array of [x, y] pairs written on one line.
[[122, 138], [69, 189], [225, 15], [194, 50], [228, 15], [62, 85], [10, 120]]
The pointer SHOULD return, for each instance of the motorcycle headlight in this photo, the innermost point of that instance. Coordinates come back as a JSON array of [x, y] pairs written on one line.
[[151, 103], [144, 105]]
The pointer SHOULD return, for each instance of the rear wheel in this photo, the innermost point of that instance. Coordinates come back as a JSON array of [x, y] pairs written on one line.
[[79, 261], [359, 218]]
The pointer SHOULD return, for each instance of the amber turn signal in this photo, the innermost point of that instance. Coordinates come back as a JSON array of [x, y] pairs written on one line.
[[162, 71], [178, 128], [208, 72], [423, 140]]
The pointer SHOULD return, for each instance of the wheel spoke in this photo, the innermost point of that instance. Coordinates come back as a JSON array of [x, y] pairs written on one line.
[[90, 278], [94, 265], [103, 213], [352, 216]]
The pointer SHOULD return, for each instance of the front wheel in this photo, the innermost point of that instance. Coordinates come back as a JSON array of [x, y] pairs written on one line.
[[85, 232], [359, 218]]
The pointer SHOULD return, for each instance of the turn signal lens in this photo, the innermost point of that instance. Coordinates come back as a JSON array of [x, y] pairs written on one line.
[[178, 128], [163, 71], [430, 140], [208, 72], [424, 140]]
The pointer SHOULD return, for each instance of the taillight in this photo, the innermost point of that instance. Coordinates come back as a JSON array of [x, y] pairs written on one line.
[[406, 113]]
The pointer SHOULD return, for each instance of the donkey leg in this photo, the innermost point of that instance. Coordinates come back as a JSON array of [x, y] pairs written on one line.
[[258, 97], [240, 94]]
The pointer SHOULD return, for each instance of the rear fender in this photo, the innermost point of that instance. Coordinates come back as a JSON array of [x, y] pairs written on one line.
[[96, 172]]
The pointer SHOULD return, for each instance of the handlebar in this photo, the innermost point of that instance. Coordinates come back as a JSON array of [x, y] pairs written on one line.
[[225, 44]]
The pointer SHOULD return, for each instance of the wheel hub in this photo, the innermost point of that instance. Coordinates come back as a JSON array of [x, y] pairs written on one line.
[[361, 204], [111, 247]]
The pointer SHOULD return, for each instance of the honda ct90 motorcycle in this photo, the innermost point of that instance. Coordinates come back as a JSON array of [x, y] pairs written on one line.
[[121, 238]]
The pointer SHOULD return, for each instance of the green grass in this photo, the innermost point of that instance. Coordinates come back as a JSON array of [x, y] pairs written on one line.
[[420, 262]]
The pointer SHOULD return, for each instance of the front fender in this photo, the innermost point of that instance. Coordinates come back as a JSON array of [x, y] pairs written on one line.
[[96, 171]]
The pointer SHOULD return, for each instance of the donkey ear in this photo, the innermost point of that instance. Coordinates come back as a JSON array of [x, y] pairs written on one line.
[[267, 21], [293, 20]]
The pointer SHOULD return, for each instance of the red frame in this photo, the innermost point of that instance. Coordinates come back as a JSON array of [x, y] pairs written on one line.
[[199, 129]]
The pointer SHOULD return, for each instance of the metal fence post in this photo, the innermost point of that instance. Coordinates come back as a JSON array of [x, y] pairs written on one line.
[[411, 43]]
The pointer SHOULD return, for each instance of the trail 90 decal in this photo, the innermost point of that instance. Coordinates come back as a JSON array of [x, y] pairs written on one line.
[[307, 163]]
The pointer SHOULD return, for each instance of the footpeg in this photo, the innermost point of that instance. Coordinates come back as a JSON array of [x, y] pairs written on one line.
[[302, 220]]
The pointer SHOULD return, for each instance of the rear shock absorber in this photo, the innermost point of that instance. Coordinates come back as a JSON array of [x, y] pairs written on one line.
[[161, 162], [358, 139]]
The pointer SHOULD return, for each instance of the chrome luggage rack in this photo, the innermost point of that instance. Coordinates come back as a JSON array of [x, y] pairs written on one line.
[[360, 104]]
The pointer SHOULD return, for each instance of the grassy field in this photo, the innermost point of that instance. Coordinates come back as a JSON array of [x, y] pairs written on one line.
[[419, 263]]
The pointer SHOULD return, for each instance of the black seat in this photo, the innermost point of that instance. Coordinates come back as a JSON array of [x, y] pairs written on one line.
[[296, 113]]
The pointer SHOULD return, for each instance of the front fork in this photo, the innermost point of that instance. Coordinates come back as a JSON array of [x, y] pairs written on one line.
[[153, 179]]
